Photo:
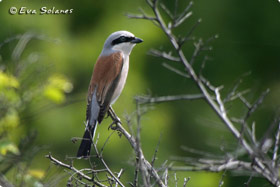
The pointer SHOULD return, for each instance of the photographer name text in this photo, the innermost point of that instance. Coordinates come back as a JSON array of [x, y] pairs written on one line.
[[42, 11]]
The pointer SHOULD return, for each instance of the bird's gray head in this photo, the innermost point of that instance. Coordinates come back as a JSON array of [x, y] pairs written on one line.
[[123, 41]]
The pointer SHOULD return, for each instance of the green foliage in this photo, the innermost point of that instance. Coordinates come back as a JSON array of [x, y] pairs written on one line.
[[7, 146], [9, 122], [25, 84], [56, 88], [7, 81]]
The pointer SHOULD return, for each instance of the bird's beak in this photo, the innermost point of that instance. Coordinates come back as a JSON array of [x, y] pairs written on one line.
[[136, 40]]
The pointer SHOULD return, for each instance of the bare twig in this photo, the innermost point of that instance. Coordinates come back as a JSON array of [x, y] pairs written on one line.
[[215, 166], [183, 16], [106, 166], [175, 70], [141, 165], [166, 10], [256, 104], [186, 180], [175, 179], [155, 153], [198, 152], [119, 176], [249, 180], [102, 149], [254, 133], [276, 147], [180, 20], [136, 172], [167, 56], [198, 48], [147, 99], [79, 172], [221, 182], [188, 35], [133, 144], [165, 176]]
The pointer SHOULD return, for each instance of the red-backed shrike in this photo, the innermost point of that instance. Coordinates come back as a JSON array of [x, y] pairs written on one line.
[[107, 82]]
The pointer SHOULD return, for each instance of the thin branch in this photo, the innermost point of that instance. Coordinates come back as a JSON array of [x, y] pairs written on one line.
[[175, 8], [136, 172], [70, 167], [147, 99], [215, 166], [179, 21], [140, 17], [187, 37], [256, 104], [183, 16], [106, 166], [165, 176], [221, 104], [143, 16], [143, 169], [156, 150], [207, 83], [276, 147], [198, 47], [198, 152], [186, 180], [241, 97], [162, 54], [105, 143], [176, 180], [119, 176], [133, 144], [203, 64], [254, 133], [221, 182], [166, 10], [175, 70], [232, 93], [249, 180]]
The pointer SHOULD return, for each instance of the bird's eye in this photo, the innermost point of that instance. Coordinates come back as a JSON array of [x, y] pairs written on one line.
[[122, 38]]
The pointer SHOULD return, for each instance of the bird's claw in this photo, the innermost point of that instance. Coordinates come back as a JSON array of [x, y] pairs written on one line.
[[114, 124]]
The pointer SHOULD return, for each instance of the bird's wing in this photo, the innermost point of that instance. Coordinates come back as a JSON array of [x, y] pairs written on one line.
[[103, 83]]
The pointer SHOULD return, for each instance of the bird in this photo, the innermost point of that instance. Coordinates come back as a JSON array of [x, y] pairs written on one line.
[[107, 82]]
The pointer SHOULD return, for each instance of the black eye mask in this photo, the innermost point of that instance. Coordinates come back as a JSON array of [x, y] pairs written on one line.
[[122, 39]]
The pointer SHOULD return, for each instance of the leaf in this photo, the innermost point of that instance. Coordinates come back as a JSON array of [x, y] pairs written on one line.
[[9, 121], [7, 146], [54, 94], [61, 82], [36, 173], [56, 88], [8, 81]]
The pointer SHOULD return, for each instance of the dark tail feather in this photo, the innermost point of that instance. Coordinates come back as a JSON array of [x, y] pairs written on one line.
[[84, 149]]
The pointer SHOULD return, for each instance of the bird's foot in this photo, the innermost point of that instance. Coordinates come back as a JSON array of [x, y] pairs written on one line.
[[114, 124]]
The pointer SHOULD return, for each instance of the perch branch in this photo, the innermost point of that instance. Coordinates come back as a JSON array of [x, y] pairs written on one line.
[[137, 151]]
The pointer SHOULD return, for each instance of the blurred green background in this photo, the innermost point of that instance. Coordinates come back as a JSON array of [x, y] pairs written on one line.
[[46, 65]]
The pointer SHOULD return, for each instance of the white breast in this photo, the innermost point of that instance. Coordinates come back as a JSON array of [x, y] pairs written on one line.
[[122, 80]]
